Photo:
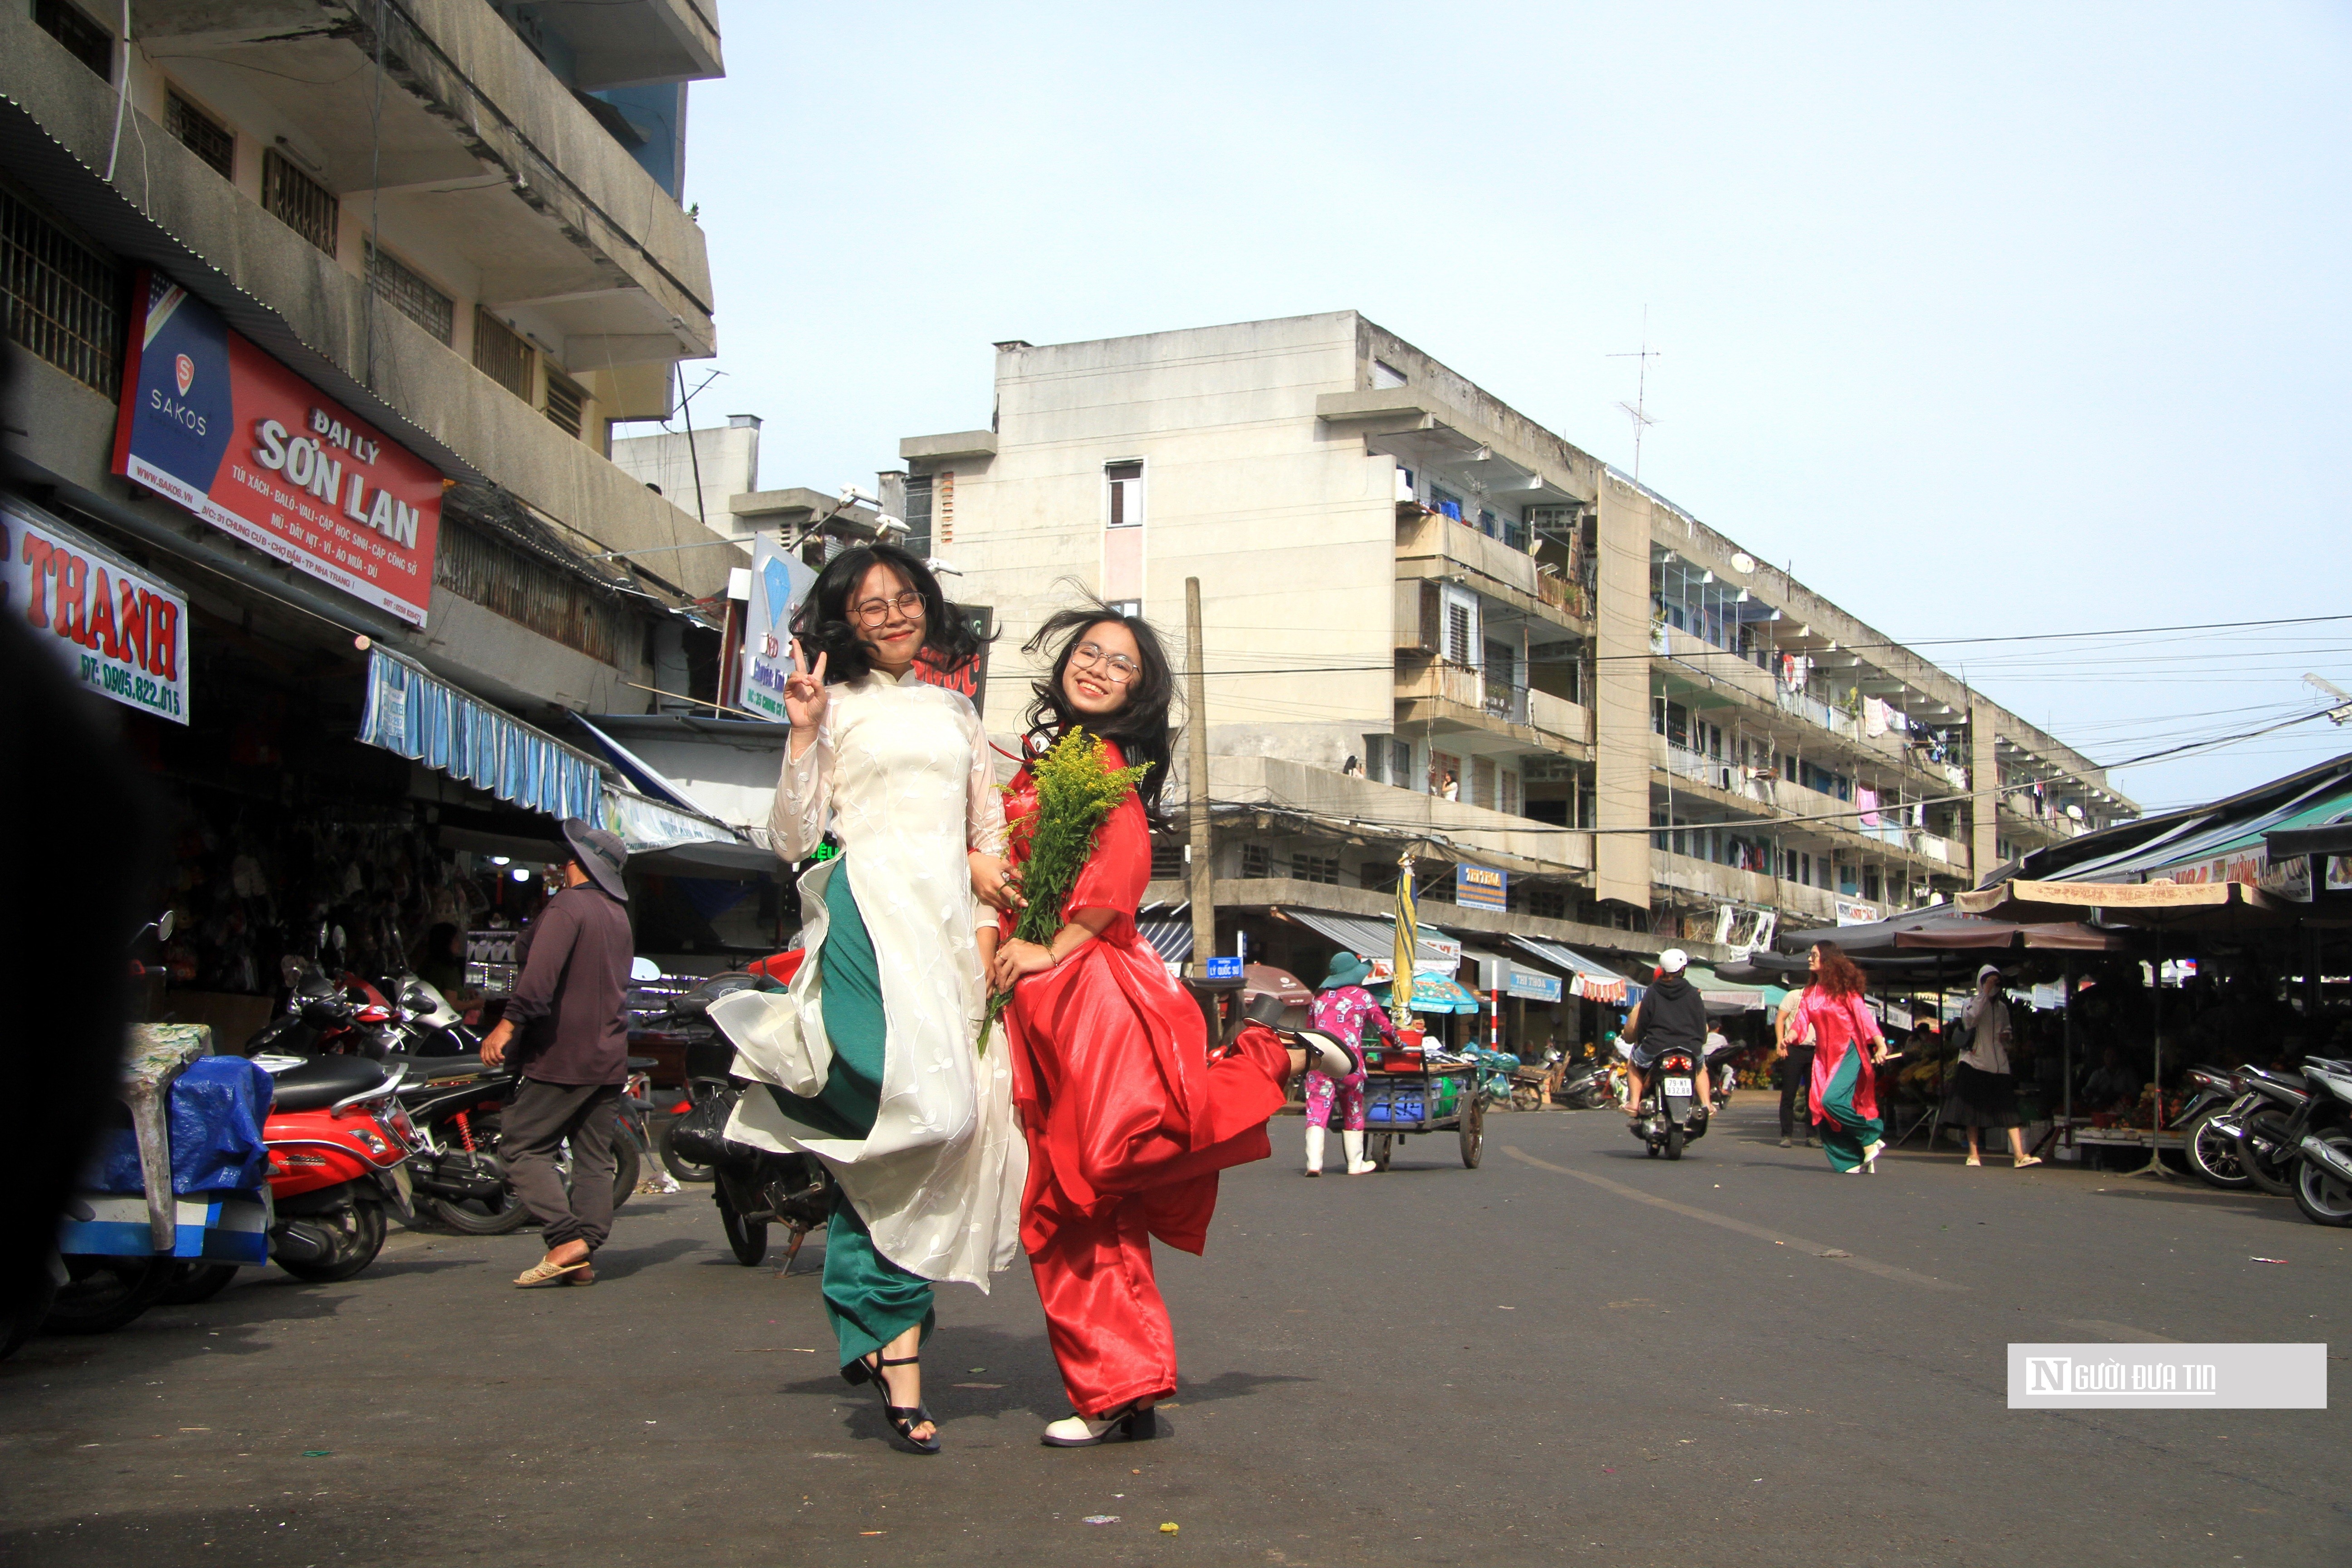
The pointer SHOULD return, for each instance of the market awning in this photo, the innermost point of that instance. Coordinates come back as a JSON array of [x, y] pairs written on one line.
[[1513, 977], [1720, 993], [1433, 994], [1376, 939], [2201, 906], [415, 714], [1585, 978], [1170, 939]]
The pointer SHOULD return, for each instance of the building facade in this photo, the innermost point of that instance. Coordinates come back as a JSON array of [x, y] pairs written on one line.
[[1435, 630], [419, 256]]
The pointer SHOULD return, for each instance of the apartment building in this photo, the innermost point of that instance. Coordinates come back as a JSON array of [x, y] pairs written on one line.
[[1435, 630], [321, 313]]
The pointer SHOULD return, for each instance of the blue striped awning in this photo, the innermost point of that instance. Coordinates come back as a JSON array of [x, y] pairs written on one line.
[[415, 714]]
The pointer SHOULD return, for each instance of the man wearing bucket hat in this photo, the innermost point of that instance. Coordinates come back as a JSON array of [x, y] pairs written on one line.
[[566, 1032], [1342, 1007]]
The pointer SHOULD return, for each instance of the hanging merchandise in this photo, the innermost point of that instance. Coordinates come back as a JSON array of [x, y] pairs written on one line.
[[1867, 799], [1874, 717]]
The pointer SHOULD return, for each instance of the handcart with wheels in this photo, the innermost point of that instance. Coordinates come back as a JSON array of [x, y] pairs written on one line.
[[1407, 1093]]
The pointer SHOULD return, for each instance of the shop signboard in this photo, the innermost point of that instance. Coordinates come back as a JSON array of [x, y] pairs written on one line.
[[970, 677], [1854, 912], [1480, 888], [779, 581], [1533, 987], [122, 631], [214, 424]]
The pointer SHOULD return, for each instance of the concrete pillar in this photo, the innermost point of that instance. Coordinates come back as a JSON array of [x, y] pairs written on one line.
[[1984, 779], [1620, 705]]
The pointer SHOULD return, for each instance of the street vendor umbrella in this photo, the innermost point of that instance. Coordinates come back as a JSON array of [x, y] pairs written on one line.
[[1279, 983], [2170, 906], [1408, 936]]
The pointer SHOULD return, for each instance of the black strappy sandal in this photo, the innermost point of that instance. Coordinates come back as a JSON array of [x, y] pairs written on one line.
[[901, 1417], [1129, 1425]]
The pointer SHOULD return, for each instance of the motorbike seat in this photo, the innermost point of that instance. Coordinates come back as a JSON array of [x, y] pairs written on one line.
[[322, 1081], [434, 1069]]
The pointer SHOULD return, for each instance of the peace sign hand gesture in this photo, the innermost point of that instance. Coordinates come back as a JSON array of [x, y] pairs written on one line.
[[805, 698]]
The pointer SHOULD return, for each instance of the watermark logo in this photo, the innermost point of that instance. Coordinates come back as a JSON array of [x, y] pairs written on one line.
[[183, 370], [2168, 1376]]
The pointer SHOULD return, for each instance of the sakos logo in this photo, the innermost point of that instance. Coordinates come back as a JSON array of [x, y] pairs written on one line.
[[184, 370]]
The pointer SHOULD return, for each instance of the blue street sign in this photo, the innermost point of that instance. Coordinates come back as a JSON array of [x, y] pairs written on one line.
[[1224, 969]]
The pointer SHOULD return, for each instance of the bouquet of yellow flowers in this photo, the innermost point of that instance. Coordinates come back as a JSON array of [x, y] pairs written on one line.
[[1077, 793]]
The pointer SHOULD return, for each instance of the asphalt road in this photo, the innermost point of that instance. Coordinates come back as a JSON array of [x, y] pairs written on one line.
[[1573, 1353]]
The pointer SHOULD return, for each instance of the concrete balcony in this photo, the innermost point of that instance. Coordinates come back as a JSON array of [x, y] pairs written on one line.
[[1453, 699], [1725, 884], [482, 166], [1432, 545], [1338, 800], [1798, 721], [2019, 820]]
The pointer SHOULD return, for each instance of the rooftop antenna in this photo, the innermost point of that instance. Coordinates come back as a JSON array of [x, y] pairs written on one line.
[[2342, 712], [1637, 409]]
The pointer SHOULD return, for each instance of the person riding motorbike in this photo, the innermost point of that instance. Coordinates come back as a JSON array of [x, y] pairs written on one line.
[[1671, 1015]]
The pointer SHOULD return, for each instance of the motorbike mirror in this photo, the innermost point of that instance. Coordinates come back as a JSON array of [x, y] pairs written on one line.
[[644, 969], [340, 943], [163, 926], [289, 969]]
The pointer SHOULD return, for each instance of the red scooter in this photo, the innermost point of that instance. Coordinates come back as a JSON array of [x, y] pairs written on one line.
[[338, 1146]]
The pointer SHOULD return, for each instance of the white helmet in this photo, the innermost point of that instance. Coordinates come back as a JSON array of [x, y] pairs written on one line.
[[1672, 960]]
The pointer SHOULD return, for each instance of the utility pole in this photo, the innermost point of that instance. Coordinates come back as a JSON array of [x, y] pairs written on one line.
[[1200, 874]]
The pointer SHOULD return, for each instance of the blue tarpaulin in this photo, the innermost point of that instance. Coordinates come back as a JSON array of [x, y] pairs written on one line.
[[217, 1108]]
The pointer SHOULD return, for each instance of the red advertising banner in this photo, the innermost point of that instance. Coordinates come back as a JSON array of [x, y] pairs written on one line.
[[214, 424]]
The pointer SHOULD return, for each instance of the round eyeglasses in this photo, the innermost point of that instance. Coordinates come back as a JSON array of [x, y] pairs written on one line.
[[1117, 668], [874, 612]]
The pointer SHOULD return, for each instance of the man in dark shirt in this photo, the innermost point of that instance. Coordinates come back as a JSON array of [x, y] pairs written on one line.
[[569, 1010], [1671, 1015]]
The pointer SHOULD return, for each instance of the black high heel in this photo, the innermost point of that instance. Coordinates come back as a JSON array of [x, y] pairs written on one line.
[[901, 1417], [1137, 1423]]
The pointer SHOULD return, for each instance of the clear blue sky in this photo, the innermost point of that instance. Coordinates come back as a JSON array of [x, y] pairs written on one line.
[[1991, 319]]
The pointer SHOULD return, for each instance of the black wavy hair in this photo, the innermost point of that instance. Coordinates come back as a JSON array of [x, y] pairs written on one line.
[[823, 624], [1139, 728]]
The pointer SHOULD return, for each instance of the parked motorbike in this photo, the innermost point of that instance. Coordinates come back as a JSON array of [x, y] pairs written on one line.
[[455, 1110], [2260, 1122], [2207, 1135], [1586, 1084], [338, 1147], [324, 1018], [2322, 1135], [754, 1188]]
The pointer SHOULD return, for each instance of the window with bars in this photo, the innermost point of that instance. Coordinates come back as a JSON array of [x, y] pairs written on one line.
[[918, 515], [1322, 869], [1400, 763], [200, 133], [566, 401], [1508, 797], [406, 291], [1167, 861], [1482, 782], [1377, 876], [1257, 861], [501, 353], [1547, 903], [88, 42], [65, 300], [299, 201]]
